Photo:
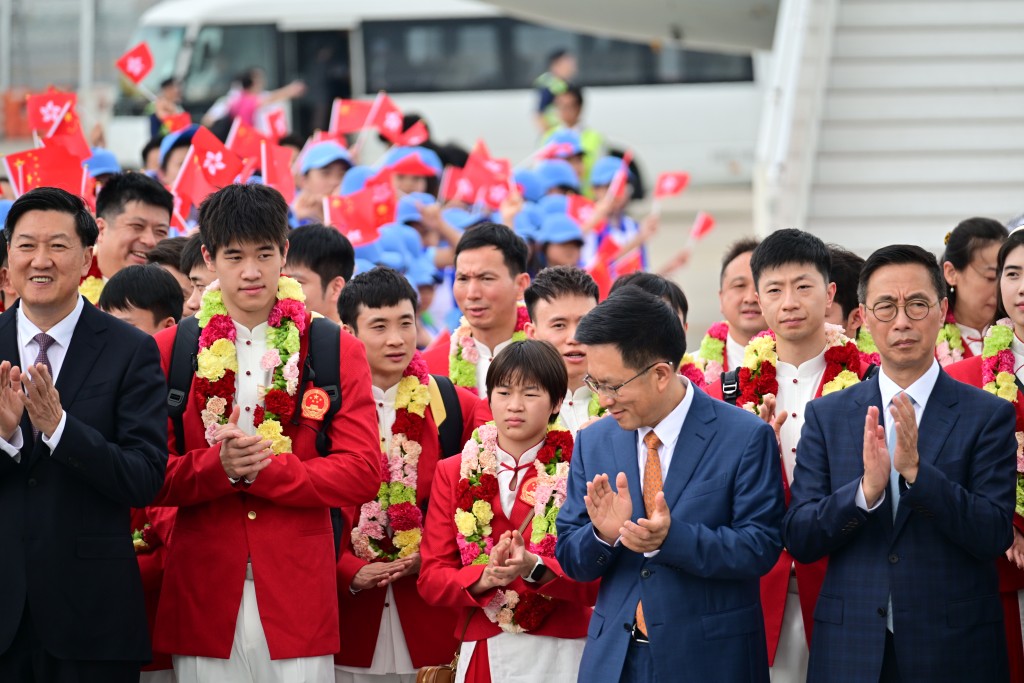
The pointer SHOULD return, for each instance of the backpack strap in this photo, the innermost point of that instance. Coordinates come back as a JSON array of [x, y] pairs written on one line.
[[179, 375], [449, 432], [731, 386], [869, 373]]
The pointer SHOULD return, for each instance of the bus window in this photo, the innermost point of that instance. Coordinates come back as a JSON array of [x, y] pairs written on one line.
[[219, 56], [165, 43]]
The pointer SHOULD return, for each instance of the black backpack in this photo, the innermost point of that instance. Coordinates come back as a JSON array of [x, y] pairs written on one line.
[[322, 368], [731, 382]]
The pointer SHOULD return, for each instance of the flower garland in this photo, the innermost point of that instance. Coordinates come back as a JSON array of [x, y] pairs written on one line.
[[949, 347], [145, 540], [757, 377], [218, 362], [997, 377], [91, 285], [464, 355], [689, 368], [478, 484], [868, 350], [712, 352], [391, 526]]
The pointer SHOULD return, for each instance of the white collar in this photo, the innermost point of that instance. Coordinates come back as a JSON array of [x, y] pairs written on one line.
[[61, 332], [526, 458], [668, 429], [920, 390], [385, 395], [580, 395], [809, 368]]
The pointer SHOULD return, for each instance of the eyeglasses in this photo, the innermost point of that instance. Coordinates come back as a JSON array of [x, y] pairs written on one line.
[[916, 309], [612, 391]]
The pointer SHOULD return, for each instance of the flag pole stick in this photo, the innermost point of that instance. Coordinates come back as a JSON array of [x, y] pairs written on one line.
[[374, 108]]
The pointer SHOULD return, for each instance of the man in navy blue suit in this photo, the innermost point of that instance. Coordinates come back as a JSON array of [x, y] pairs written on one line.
[[83, 439], [679, 568], [906, 482]]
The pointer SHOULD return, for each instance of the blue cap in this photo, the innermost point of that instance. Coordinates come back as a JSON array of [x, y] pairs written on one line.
[[460, 219], [559, 229], [102, 162], [355, 179], [531, 184], [374, 252], [604, 171], [422, 271], [528, 221], [323, 154], [568, 138], [427, 156], [171, 138], [406, 211], [363, 266], [555, 173], [5, 208], [553, 203], [401, 238]]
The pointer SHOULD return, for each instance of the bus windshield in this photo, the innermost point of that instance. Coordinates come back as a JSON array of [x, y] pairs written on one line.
[[219, 56], [165, 44]]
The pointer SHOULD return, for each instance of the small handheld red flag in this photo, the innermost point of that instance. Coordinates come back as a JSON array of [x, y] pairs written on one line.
[[136, 63], [670, 184], [176, 122], [702, 225], [349, 116], [388, 119], [277, 172], [618, 185], [244, 140], [67, 133], [579, 208], [277, 123], [45, 109], [415, 135], [218, 163]]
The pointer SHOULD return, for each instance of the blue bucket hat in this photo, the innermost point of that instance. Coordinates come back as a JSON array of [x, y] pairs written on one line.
[[323, 154], [102, 162], [604, 171], [555, 173], [559, 229], [406, 210]]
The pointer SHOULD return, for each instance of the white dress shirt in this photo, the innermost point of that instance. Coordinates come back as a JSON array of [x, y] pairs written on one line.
[[28, 349], [575, 409], [486, 356], [972, 338], [384, 401], [250, 346], [797, 387], [733, 352]]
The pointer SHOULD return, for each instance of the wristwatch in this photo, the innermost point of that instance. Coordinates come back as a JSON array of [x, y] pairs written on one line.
[[538, 571]]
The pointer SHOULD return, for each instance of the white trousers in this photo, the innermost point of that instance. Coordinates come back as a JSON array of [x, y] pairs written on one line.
[[791, 657], [250, 656]]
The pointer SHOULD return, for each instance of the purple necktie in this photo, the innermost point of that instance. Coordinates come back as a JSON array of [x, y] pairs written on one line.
[[45, 341]]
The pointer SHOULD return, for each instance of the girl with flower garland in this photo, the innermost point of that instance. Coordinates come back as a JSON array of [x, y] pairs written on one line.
[[387, 631], [526, 619], [969, 266], [252, 489], [999, 370]]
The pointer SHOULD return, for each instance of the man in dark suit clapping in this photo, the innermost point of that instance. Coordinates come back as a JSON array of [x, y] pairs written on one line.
[[83, 430]]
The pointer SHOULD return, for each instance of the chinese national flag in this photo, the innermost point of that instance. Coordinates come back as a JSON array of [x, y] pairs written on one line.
[[67, 133], [349, 116], [702, 225], [218, 164], [244, 140], [277, 172], [671, 184], [136, 63], [415, 135], [277, 124], [45, 109], [176, 122], [602, 276], [359, 215], [388, 119], [45, 167]]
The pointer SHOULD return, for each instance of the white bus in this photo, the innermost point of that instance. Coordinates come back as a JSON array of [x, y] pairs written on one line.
[[467, 67]]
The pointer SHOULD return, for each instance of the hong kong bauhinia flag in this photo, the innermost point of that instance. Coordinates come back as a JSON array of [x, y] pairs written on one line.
[[670, 184], [45, 109], [136, 63]]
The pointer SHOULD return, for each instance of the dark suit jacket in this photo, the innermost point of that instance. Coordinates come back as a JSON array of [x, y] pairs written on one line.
[[936, 560], [65, 534], [701, 591]]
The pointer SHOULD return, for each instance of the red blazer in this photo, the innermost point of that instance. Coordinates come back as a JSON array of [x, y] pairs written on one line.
[[436, 357], [968, 371], [444, 582], [281, 522], [428, 631], [775, 584], [151, 569]]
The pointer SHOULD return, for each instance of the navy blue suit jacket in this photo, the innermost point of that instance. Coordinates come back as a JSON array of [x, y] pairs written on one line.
[[936, 559], [701, 591], [65, 529]]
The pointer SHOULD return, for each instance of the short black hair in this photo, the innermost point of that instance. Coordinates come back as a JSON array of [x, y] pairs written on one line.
[[964, 241], [897, 255], [378, 287], [323, 250], [512, 247], [846, 267], [1015, 239], [246, 214], [53, 199], [530, 362], [784, 247], [643, 328], [192, 254], [129, 186], [735, 250], [182, 141], [557, 281], [658, 286], [148, 288], [168, 82], [167, 252], [575, 92], [154, 143], [557, 54], [292, 140]]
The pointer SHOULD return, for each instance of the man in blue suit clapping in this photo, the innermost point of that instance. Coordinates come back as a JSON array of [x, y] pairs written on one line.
[[675, 504]]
